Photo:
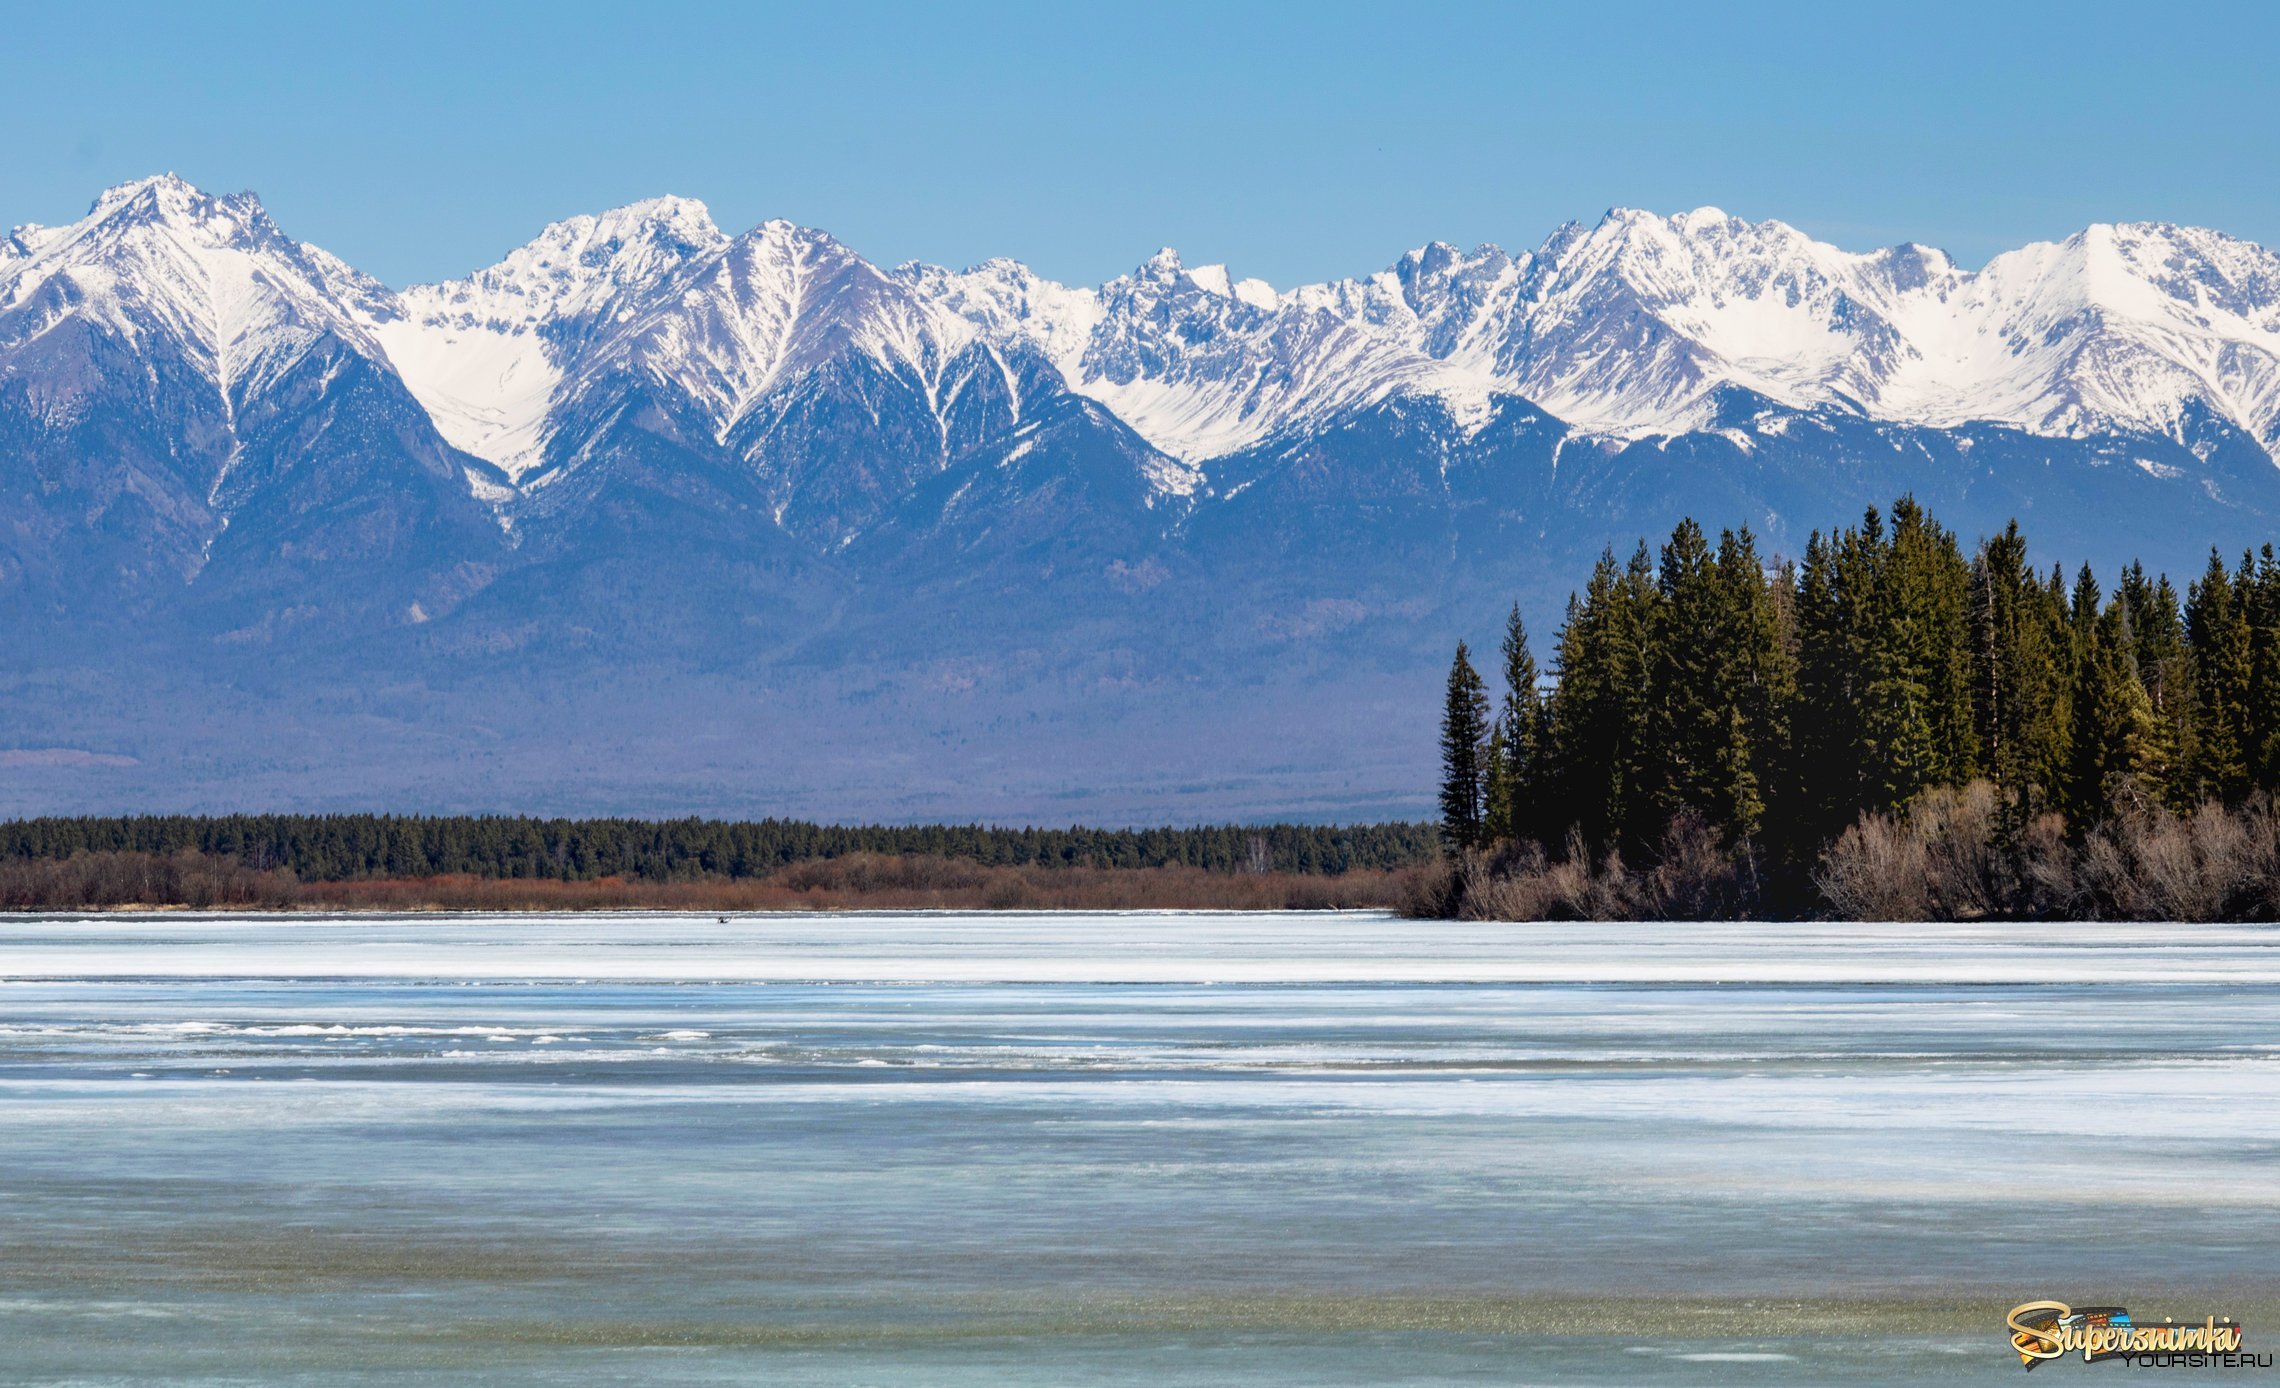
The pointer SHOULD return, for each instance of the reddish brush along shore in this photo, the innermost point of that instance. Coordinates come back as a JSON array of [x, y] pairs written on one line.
[[97, 881]]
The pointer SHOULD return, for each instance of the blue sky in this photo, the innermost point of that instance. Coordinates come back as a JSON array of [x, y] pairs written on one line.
[[1294, 142]]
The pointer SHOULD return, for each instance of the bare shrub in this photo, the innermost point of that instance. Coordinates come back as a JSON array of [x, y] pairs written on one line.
[[1517, 881], [1876, 871], [1969, 870], [1585, 894], [1009, 894], [1695, 875], [1950, 857], [1947, 856], [1698, 876], [2051, 885], [2212, 864], [1505, 885], [1436, 892], [883, 872], [97, 881]]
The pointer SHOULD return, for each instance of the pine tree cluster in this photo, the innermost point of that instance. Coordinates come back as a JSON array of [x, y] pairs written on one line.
[[1780, 703]]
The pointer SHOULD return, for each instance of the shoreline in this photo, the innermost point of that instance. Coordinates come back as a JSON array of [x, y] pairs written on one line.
[[855, 883]]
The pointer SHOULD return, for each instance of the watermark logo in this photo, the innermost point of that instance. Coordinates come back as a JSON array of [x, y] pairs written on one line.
[[2044, 1330]]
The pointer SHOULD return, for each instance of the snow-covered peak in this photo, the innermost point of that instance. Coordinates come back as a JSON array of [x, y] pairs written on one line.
[[778, 299], [1202, 364], [1639, 322], [1642, 322], [1010, 303], [1211, 279], [1435, 298], [1635, 322], [2118, 326], [578, 269], [213, 276], [1702, 219], [166, 207], [485, 354], [160, 195]]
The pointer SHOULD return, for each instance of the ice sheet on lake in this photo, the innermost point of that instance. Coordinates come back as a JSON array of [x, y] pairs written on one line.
[[1124, 948], [495, 1147]]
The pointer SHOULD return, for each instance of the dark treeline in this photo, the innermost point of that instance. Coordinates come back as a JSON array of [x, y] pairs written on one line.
[[349, 847], [1749, 719]]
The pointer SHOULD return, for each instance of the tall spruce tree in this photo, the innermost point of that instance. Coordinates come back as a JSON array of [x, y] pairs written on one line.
[[2217, 639], [1464, 727], [2157, 642], [2084, 605], [1515, 804], [1596, 728], [2059, 635], [1918, 700], [1636, 615], [1496, 794], [1883, 641], [1759, 678], [1826, 732], [2113, 723], [2018, 682], [2262, 720], [1687, 705], [1719, 680]]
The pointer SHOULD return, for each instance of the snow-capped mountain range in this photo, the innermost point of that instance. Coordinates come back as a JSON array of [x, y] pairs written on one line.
[[639, 432], [1628, 327]]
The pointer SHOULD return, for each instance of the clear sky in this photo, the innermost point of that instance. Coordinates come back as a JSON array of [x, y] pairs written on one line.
[[1294, 142]]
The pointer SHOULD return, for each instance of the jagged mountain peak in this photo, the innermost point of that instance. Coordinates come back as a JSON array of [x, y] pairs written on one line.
[[688, 216], [1633, 323], [161, 195], [211, 275], [1442, 257], [162, 206], [580, 266], [1010, 304], [1167, 270], [486, 354], [166, 211], [774, 300], [2209, 268], [1643, 246], [177, 370]]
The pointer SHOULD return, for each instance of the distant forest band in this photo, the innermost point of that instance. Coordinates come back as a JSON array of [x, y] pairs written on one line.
[[346, 847]]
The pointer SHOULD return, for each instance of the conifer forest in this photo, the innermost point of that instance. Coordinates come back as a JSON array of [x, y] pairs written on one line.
[[1891, 725]]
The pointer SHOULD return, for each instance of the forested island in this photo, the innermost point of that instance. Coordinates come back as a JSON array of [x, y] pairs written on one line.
[[1887, 728], [506, 862]]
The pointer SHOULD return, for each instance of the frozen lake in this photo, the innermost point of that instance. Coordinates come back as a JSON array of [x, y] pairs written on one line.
[[1131, 1148]]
